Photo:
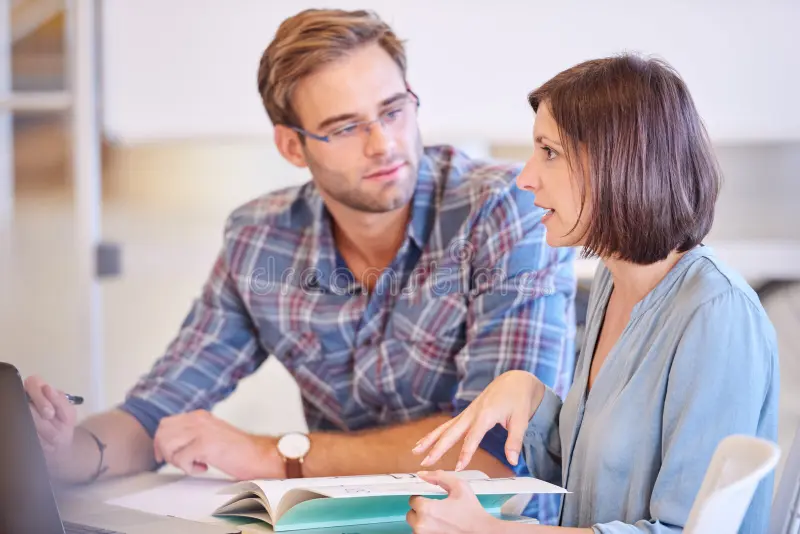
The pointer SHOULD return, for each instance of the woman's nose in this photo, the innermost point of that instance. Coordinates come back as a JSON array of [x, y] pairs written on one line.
[[527, 179]]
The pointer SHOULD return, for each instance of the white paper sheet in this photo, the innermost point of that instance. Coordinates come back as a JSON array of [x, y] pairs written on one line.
[[189, 498]]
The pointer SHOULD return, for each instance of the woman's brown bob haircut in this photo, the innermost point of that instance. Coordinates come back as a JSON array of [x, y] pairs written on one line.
[[652, 175]]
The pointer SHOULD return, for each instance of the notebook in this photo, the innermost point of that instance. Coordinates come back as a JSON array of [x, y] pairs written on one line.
[[307, 503]]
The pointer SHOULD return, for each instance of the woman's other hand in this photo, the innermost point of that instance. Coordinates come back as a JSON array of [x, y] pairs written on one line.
[[459, 513]]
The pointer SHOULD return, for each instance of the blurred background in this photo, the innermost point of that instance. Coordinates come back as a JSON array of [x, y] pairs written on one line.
[[135, 127]]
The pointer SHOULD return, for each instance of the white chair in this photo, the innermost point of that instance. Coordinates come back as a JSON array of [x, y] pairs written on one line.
[[738, 465], [786, 505]]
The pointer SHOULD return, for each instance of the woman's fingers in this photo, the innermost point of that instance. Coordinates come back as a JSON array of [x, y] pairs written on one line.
[[426, 442], [496, 405], [447, 441], [517, 425], [447, 481], [473, 440]]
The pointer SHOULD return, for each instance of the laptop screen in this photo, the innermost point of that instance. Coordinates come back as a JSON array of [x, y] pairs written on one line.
[[27, 503]]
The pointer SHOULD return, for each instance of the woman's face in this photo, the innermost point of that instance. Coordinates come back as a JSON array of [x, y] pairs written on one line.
[[548, 176]]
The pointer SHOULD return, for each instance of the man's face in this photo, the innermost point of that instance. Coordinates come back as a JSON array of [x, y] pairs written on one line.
[[369, 168]]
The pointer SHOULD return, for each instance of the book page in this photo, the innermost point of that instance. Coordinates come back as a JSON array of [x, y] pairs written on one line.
[[250, 497], [273, 491], [277, 497], [495, 486], [282, 486]]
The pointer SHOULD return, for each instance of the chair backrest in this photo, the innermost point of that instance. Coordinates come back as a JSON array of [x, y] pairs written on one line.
[[738, 465], [786, 505]]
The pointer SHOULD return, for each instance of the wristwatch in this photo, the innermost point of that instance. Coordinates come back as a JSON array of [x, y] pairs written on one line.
[[293, 448]]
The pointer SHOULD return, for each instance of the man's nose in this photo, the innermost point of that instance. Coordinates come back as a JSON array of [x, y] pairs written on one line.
[[378, 142]]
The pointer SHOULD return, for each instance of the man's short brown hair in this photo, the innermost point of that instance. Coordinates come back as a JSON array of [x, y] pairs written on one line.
[[311, 39], [652, 173]]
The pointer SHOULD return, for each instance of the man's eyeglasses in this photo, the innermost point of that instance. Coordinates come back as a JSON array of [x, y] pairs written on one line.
[[393, 119]]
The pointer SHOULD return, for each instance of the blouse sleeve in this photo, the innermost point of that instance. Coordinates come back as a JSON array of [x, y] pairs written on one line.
[[542, 444]]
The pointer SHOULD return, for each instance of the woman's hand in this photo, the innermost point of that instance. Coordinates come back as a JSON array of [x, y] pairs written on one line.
[[459, 513], [510, 400]]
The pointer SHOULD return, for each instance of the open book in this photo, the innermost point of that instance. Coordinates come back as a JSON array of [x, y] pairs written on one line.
[[356, 500]]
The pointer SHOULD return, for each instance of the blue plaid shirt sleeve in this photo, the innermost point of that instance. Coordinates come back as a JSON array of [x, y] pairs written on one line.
[[214, 349], [521, 312]]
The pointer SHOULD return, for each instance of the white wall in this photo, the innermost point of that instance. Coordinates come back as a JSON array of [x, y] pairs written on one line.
[[186, 68]]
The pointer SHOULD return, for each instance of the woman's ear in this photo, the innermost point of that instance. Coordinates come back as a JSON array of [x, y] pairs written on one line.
[[290, 146]]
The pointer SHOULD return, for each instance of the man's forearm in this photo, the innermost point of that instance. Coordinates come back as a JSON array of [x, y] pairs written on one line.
[[386, 450], [128, 448]]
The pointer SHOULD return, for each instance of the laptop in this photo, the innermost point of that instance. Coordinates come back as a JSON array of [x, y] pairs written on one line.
[[27, 500]]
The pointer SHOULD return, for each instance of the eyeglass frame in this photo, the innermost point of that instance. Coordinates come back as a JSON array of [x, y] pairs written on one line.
[[327, 138]]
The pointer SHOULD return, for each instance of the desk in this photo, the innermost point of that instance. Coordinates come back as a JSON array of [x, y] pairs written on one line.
[[119, 487], [79, 504]]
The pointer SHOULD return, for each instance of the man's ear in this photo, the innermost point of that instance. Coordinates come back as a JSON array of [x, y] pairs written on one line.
[[288, 143]]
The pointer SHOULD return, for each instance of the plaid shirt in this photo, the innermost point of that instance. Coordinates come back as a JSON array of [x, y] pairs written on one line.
[[473, 291]]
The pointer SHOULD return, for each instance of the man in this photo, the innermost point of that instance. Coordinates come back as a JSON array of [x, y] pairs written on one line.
[[394, 287]]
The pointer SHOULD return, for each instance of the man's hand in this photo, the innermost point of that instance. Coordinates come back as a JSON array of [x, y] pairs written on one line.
[[53, 415], [196, 440]]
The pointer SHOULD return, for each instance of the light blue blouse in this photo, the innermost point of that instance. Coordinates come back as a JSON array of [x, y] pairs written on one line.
[[698, 361]]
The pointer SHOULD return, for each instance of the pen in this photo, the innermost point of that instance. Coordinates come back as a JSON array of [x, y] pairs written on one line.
[[75, 400]]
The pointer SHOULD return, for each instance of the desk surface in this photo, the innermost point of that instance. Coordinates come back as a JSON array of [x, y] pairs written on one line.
[[78, 504], [119, 487]]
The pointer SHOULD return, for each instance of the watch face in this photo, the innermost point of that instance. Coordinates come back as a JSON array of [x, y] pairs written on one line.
[[294, 445]]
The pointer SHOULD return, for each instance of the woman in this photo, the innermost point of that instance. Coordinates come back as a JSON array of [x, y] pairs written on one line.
[[678, 352]]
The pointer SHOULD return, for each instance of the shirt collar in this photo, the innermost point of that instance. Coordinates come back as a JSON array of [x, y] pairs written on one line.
[[423, 207], [323, 252]]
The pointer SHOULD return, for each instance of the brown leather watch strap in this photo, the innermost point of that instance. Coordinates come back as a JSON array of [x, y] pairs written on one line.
[[294, 468]]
